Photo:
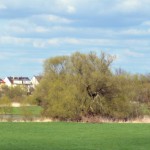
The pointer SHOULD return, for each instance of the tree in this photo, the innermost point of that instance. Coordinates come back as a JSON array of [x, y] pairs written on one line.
[[5, 105], [73, 85], [16, 93], [84, 85]]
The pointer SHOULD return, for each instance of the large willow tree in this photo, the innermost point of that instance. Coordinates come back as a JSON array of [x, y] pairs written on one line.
[[83, 85]]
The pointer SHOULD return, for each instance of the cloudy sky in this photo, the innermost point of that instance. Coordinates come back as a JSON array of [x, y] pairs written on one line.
[[33, 30]]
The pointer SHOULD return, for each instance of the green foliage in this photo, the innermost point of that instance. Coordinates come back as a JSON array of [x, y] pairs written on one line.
[[16, 94], [84, 85], [5, 105]]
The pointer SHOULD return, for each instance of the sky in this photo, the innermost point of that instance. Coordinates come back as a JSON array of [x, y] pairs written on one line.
[[34, 30]]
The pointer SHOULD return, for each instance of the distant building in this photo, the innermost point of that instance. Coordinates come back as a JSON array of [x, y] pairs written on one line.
[[2, 82], [8, 81], [15, 81], [35, 81], [19, 81]]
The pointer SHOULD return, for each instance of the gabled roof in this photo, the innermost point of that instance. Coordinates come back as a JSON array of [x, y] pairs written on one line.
[[10, 79], [21, 78], [38, 78], [2, 81]]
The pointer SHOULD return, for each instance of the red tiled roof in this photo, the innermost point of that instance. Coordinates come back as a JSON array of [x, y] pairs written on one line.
[[2, 81]]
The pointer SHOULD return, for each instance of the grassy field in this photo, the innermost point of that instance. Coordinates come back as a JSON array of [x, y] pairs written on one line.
[[33, 110], [74, 136]]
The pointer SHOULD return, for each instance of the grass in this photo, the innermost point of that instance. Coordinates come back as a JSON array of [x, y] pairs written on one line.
[[33, 110], [74, 136]]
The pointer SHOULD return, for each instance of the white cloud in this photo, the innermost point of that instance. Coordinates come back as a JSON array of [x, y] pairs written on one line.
[[71, 9], [134, 54], [13, 40], [2, 7], [128, 5], [72, 41], [51, 19], [135, 32], [16, 29], [67, 5], [146, 23], [6, 55], [32, 60], [124, 7], [41, 29], [39, 44]]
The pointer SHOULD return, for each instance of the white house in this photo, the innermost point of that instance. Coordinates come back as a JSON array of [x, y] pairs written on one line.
[[35, 81], [15, 81], [8, 81]]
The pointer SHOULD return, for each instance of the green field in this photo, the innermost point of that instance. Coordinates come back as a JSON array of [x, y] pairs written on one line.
[[33, 110], [74, 136]]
